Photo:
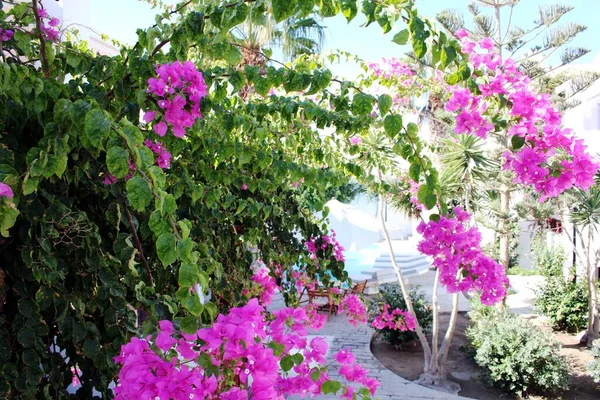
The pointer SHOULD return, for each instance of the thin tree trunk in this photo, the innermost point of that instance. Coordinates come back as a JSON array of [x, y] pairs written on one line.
[[504, 257], [593, 322], [445, 347], [436, 322], [409, 305]]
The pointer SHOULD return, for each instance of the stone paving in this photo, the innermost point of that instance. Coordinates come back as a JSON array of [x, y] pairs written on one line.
[[340, 334]]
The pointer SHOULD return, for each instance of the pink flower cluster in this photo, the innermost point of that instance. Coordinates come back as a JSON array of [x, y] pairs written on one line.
[[551, 160], [397, 319], [355, 140], [163, 159], [179, 88], [49, 26], [354, 308], [6, 35], [314, 244], [389, 68], [257, 355], [267, 285], [353, 372], [6, 191], [414, 190], [463, 266]]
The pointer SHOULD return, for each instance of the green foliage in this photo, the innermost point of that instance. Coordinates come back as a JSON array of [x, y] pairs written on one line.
[[594, 367], [86, 266], [516, 355], [392, 294], [564, 302], [549, 261]]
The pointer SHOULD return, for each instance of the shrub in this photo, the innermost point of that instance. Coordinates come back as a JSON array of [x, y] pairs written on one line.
[[516, 355], [549, 261], [564, 303], [392, 294], [594, 366]]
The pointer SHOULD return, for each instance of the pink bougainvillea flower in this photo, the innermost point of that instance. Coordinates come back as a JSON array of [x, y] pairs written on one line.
[[6, 191], [244, 186], [355, 140], [160, 128], [149, 116]]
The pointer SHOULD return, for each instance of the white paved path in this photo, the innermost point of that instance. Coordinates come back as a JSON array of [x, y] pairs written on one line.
[[340, 334]]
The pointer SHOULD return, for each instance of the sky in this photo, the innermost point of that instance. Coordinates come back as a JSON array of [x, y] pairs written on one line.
[[120, 19]]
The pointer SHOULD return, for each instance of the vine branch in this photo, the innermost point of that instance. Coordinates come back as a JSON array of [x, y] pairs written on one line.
[[38, 25], [138, 243]]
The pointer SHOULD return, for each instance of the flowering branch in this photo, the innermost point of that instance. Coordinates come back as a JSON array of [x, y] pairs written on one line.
[[38, 25]]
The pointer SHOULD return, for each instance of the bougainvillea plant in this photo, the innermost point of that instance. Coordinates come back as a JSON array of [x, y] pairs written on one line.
[[134, 185]]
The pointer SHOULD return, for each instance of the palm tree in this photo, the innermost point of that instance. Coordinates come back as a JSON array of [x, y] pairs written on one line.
[[294, 37], [586, 219], [465, 165]]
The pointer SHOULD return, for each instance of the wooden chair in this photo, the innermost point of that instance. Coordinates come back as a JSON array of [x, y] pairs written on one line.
[[321, 293], [358, 288]]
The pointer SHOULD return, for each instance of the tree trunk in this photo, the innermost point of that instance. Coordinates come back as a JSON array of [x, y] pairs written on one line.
[[593, 330], [504, 253], [402, 283]]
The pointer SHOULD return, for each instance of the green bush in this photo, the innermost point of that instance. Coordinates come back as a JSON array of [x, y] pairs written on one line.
[[594, 366], [516, 355], [392, 295], [549, 261], [564, 302]]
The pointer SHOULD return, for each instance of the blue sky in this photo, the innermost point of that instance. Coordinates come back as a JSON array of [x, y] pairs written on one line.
[[121, 18]]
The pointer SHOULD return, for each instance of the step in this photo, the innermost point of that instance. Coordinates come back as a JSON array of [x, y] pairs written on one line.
[[390, 276], [411, 264]]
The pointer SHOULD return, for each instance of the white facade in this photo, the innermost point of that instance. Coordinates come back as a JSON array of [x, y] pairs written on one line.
[[75, 14]]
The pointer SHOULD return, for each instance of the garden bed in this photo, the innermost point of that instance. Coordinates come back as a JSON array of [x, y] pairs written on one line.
[[408, 363]]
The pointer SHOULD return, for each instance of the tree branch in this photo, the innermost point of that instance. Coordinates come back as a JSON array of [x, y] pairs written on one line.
[[138, 243], [38, 25]]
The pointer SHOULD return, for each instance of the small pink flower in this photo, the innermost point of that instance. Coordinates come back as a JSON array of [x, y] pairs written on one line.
[[461, 33], [244, 186], [149, 116], [355, 140], [160, 128], [110, 179], [6, 191]]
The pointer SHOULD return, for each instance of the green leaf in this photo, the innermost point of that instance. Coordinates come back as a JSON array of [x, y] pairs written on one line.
[[192, 304], [286, 363], [117, 161], [138, 193], [184, 249], [189, 275], [189, 325], [97, 127], [385, 102], [447, 55], [315, 375], [144, 157], [131, 134], [283, 9], [362, 104], [26, 337], [28, 308], [434, 217], [349, 9], [392, 124], [329, 8], [517, 142], [331, 387], [166, 248], [8, 217], [401, 37], [158, 224], [418, 35], [414, 172]]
